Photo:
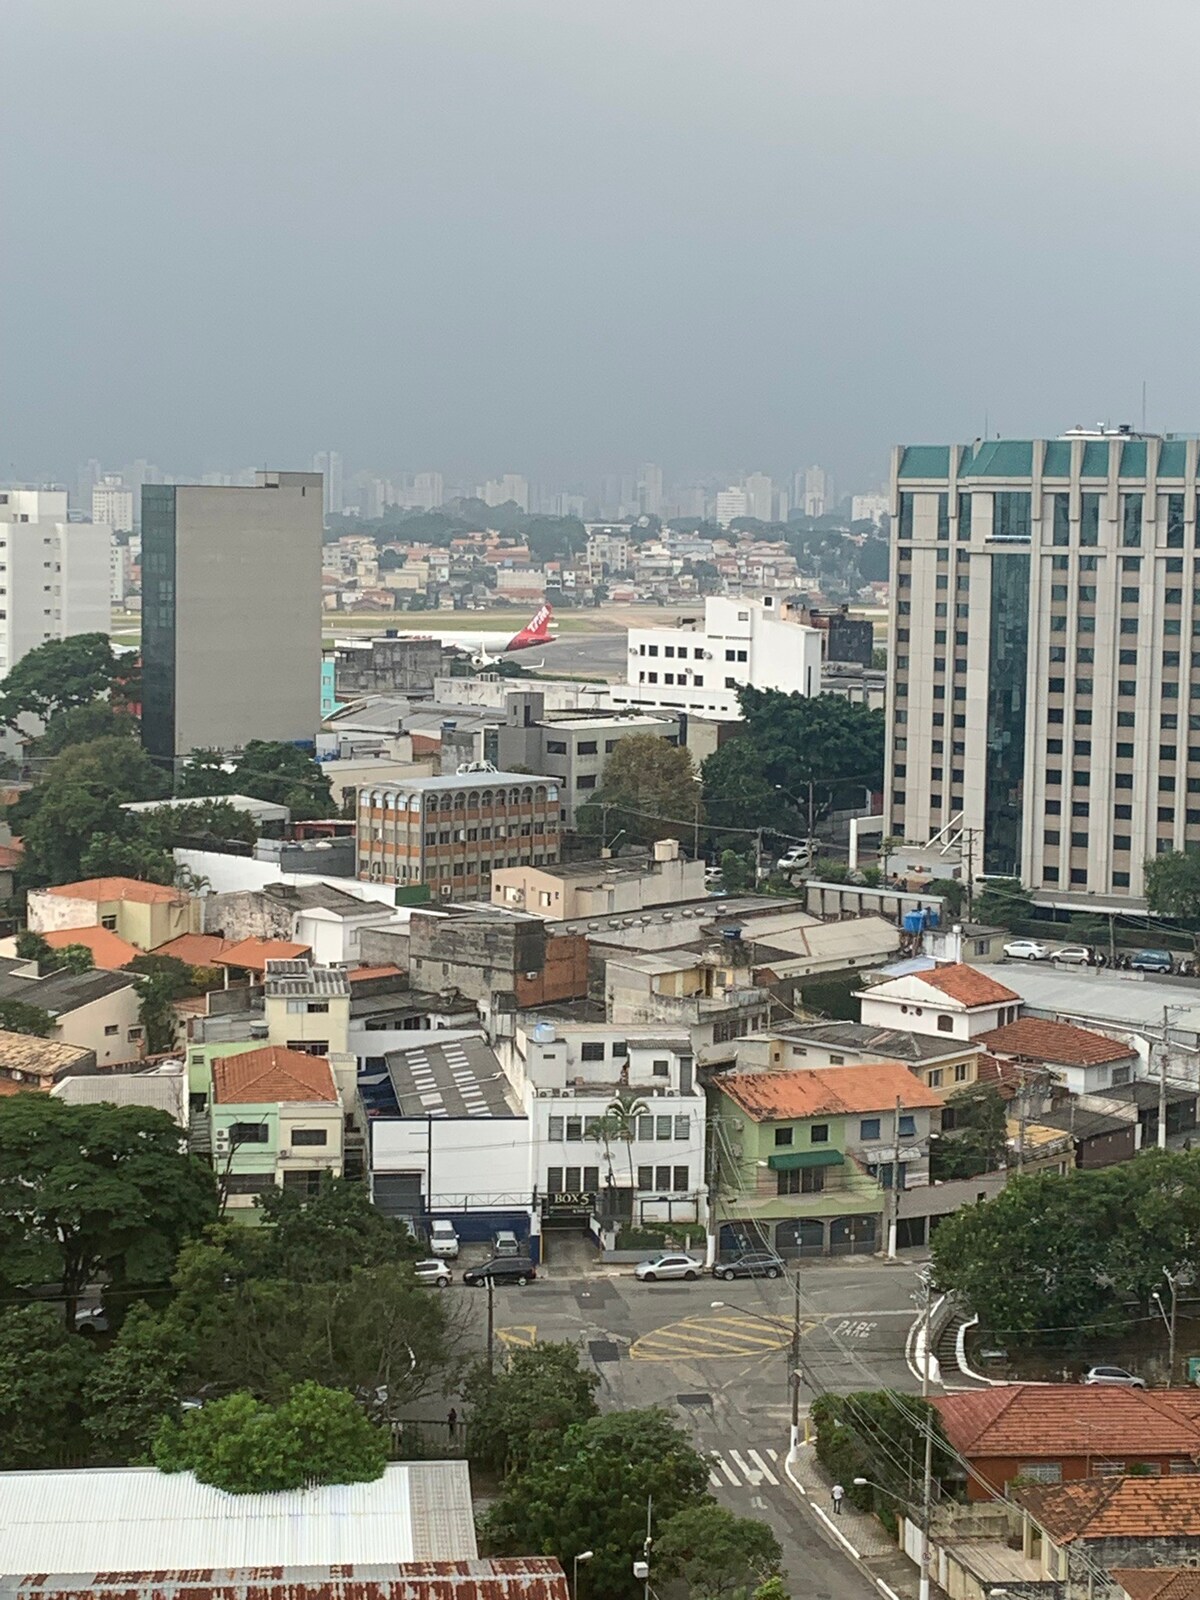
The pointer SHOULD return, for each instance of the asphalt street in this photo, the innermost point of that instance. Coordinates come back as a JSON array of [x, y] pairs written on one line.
[[595, 655], [715, 1355]]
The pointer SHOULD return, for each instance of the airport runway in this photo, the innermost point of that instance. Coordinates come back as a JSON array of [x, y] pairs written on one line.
[[592, 655]]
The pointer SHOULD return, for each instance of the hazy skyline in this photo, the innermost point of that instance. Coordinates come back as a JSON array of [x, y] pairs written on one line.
[[560, 237]]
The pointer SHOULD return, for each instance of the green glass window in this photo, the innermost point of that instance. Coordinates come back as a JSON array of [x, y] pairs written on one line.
[[1006, 701], [1131, 520], [1089, 519], [1062, 519], [1011, 514], [1174, 522], [943, 518], [906, 516], [964, 517]]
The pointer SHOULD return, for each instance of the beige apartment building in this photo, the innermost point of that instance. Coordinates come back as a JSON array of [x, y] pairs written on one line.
[[600, 888], [452, 833], [1044, 649]]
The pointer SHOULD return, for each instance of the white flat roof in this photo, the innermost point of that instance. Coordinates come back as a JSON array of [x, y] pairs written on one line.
[[137, 1519], [1099, 995]]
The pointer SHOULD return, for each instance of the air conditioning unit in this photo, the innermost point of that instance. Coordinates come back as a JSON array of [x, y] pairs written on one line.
[[221, 1139]]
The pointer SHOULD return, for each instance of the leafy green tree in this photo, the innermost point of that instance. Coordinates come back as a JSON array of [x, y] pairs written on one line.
[[72, 958], [18, 1016], [718, 1554], [952, 892], [978, 1141], [878, 1435], [43, 1369], [133, 1387], [772, 1589], [648, 789], [245, 1447], [94, 1190], [285, 775], [589, 1490], [1173, 884], [174, 826], [59, 675], [517, 1412], [203, 775], [161, 981], [1003, 903], [328, 1236], [79, 800], [111, 856], [33, 947], [83, 725]]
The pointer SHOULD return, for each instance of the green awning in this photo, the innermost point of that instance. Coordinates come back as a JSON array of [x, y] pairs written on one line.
[[805, 1158]]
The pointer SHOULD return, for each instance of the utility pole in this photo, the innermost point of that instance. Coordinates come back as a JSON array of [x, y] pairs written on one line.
[[491, 1323], [795, 1373], [758, 850], [927, 1486], [810, 820], [1112, 939], [1173, 1280], [894, 1206], [1162, 1081]]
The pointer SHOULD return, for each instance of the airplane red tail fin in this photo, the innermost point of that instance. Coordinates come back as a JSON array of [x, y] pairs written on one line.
[[536, 631]]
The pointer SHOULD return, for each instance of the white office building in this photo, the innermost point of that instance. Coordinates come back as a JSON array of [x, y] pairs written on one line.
[[112, 504], [499, 491], [760, 496], [818, 492], [869, 508], [55, 575], [731, 503], [329, 464], [698, 664]]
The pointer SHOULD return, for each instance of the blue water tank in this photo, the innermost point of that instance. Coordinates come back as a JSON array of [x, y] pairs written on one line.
[[934, 916], [914, 921]]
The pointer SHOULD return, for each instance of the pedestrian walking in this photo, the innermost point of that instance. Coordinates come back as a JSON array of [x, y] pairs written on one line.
[[837, 1492], [452, 1422]]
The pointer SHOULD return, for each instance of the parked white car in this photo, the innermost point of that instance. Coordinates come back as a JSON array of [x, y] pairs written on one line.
[[794, 859], [1072, 955], [1026, 950], [433, 1272], [443, 1241], [667, 1266]]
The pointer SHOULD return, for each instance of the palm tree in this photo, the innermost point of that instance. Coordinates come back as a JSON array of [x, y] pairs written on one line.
[[624, 1115]]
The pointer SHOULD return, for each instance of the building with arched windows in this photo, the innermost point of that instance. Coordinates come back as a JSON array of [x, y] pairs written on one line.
[[451, 833]]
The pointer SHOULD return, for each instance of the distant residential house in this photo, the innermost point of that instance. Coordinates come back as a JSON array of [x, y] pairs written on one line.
[[27, 1062], [1081, 1060], [276, 1119], [942, 1064], [957, 1001], [144, 914], [1059, 1432], [94, 1011], [246, 961], [109, 951], [163, 1088], [1110, 1521]]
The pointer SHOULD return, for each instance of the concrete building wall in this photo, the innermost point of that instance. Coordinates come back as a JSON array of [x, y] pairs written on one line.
[[109, 1026], [56, 576], [465, 1164]]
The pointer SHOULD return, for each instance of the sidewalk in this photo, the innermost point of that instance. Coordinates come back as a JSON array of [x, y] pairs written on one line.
[[861, 1535]]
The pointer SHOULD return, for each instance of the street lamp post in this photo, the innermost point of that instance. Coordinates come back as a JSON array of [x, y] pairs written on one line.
[[1173, 1281], [584, 1555]]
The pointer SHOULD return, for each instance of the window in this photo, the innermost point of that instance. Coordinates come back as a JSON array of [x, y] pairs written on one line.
[[574, 1130], [111, 1030], [1041, 1471], [645, 1127], [908, 1127], [109, 922], [783, 1137], [309, 1136], [554, 1130], [587, 747], [1010, 515], [645, 1177], [248, 1132], [683, 1127], [806, 1180], [680, 1179], [819, 1133], [664, 1127], [591, 1052], [960, 1072], [945, 1024], [1131, 520], [869, 1128], [661, 1069], [662, 1177]]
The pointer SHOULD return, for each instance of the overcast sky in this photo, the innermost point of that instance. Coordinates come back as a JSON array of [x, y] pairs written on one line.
[[564, 236]]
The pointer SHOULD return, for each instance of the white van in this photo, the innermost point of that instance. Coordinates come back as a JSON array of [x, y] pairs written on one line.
[[443, 1241]]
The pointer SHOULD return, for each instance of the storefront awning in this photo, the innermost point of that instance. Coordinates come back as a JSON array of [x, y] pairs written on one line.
[[788, 1161]]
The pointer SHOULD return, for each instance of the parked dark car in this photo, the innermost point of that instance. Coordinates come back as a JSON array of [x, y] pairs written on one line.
[[502, 1269], [1152, 961], [752, 1264]]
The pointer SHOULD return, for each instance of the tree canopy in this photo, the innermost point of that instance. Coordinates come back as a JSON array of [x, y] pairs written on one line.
[[1173, 884], [647, 789], [519, 1410], [978, 1140], [61, 675], [716, 1553], [878, 1435], [43, 1370], [91, 1190], [283, 774], [785, 744], [243, 1446]]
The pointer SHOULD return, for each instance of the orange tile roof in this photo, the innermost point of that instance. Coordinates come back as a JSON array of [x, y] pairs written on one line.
[[109, 951], [197, 949], [1067, 1419], [118, 889], [253, 954], [827, 1091], [1158, 1583], [11, 855], [272, 1073], [968, 985], [1055, 1041], [360, 974], [1116, 1508]]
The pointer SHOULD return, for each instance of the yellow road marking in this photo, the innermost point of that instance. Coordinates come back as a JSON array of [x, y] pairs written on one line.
[[712, 1337], [520, 1337]]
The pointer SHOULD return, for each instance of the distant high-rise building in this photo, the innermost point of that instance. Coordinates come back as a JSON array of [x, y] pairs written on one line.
[[428, 490], [231, 631], [499, 491], [112, 503], [759, 496], [869, 508], [650, 490], [56, 574], [329, 464], [731, 503], [782, 505], [818, 492]]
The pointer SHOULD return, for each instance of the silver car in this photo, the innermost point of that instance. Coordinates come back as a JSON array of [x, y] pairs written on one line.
[[667, 1266], [1115, 1377], [434, 1272]]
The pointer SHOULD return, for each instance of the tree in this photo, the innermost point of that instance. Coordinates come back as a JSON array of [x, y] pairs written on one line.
[[18, 1016], [111, 856], [952, 892], [285, 775], [589, 1491], [978, 1140], [326, 1237], [72, 958], [245, 1447], [772, 1589], [737, 871], [94, 1190], [161, 981], [647, 788], [59, 675], [878, 1435], [80, 800], [517, 1412], [83, 725], [1003, 903], [1173, 884], [43, 1369], [717, 1553], [204, 774], [135, 1385], [624, 1112]]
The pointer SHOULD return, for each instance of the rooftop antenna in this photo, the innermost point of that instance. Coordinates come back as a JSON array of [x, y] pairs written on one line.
[[1143, 405]]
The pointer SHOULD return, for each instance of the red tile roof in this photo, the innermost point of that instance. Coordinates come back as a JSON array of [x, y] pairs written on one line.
[[361, 974], [1159, 1583], [968, 985], [109, 951], [253, 954], [1116, 1508], [197, 949], [134, 889], [1055, 1041], [272, 1073], [1068, 1419], [827, 1091]]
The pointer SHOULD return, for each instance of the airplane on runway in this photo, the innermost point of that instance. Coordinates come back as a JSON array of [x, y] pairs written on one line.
[[488, 647]]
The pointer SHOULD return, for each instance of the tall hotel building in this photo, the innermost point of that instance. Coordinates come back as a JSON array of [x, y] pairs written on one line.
[[1045, 654]]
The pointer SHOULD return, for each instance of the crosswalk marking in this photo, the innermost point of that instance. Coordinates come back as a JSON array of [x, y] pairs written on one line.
[[709, 1337], [749, 1473]]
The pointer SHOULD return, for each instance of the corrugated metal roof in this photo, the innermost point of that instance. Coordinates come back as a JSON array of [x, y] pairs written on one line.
[[136, 1519], [518, 1578]]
